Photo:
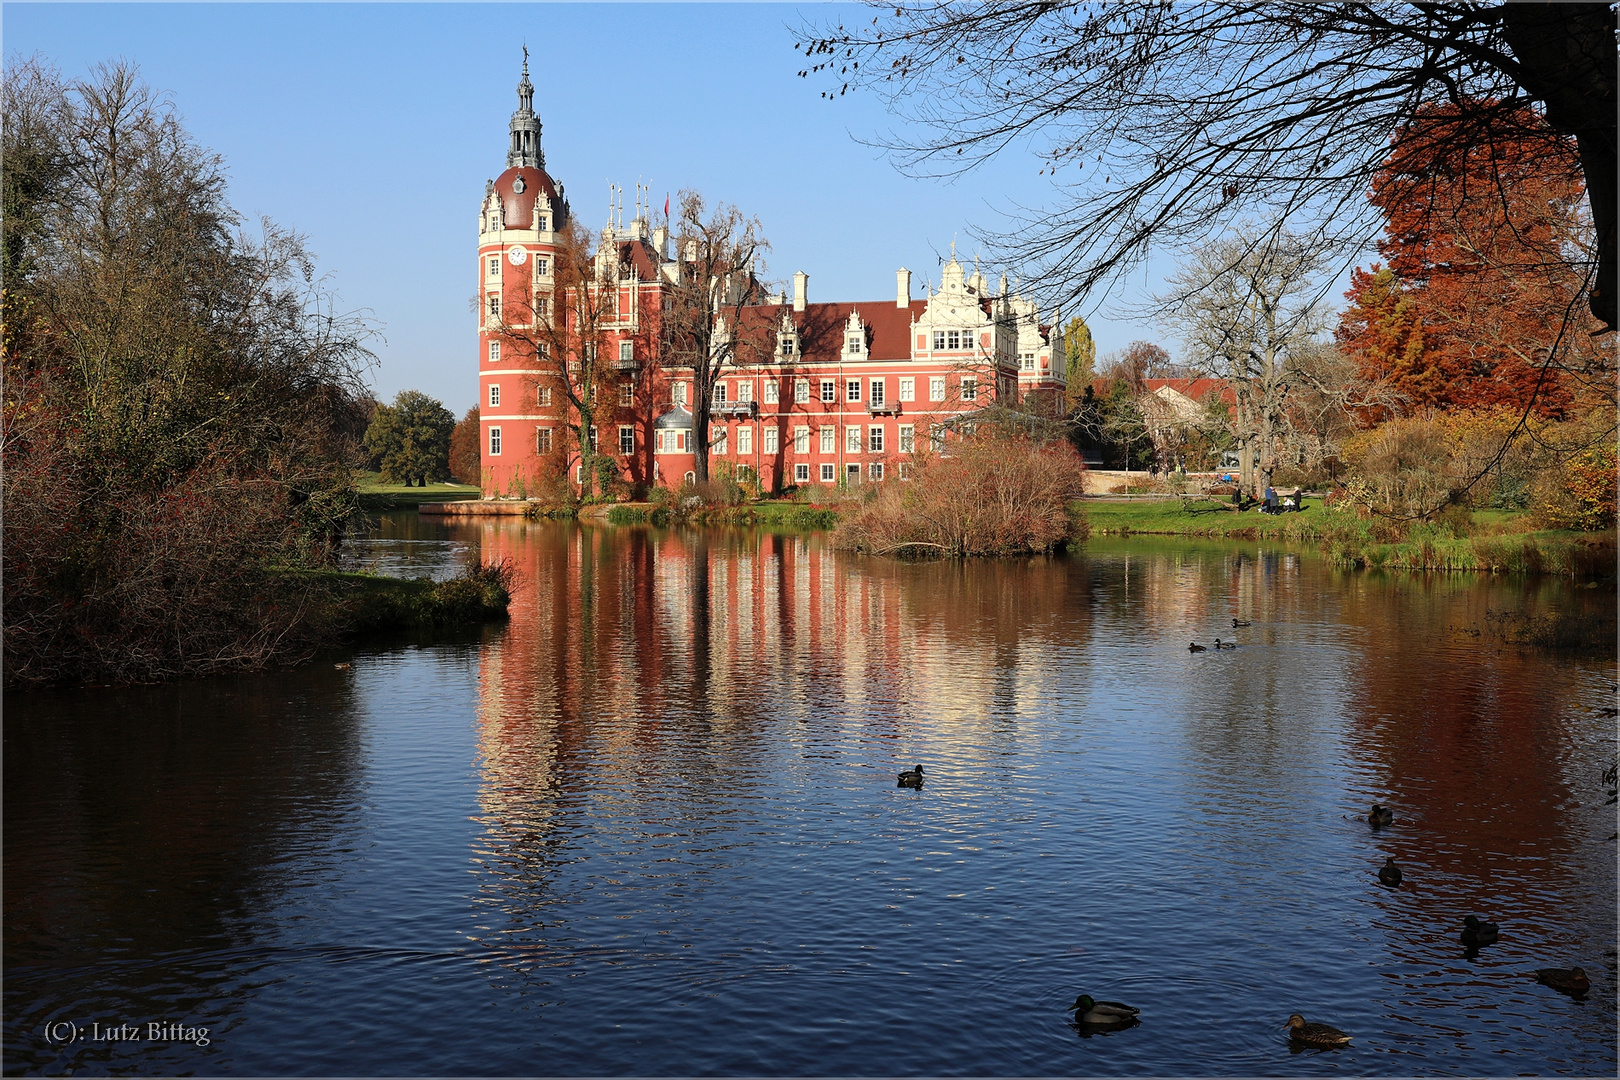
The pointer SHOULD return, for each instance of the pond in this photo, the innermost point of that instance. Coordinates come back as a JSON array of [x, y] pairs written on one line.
[[651, 825]]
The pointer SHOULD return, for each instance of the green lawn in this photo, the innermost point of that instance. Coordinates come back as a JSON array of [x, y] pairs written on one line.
[[375, 495]]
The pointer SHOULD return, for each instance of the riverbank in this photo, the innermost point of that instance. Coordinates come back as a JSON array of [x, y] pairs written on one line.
[[362, 604], [1486, 541], [375, 495]]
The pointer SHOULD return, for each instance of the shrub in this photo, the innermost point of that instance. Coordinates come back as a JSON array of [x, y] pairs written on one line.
[[994, 495], [1579, 495]]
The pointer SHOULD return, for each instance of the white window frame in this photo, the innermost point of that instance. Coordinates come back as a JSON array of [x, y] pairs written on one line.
[[717, 440], [936, 388], [495, 441], [745, 389], [801, 440], [801, 390], [852, 389], [773, 392], [852, 439], [542, 435], [829, 390], [970, 388], [494, 395], [627, 351], [875, 469], [542, 397], [540, 223], [905, 470], [801, 473], [772, 440], [494, 352], [908, 438], [494, 266], [829, 473], [627, 394], [745, 440], [719, 393], [874, 439], [875, 392], [627, 438], [542, 268], [908, 388], [829, 439]]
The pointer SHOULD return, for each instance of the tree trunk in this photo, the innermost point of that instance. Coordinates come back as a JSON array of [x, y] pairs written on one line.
[[702, 396]]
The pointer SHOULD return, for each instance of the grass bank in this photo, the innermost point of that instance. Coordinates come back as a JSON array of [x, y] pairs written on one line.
[[376, 495], [787, 515], [369, 603], [1489, 541]]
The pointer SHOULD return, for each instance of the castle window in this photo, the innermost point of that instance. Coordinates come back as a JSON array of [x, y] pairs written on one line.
[[494, 442], [543, 397], [876, 396], [542, 268], [801, 474], [773, 390], [1027, 362], [540, 222], [627, 350], [853, 390], [829, 390], [970, 389], [745, 440], [494, 352], [874, 441], [787, 344], [627, 439], [852, 439], [936, 388], [494, 266], [592, 436], [801, 440], [745, 390], [853, 344], [719, 393], [801, 390], [627, 394], [877, 470], [494, 305], [494, 393], [542, 440], [829, 473], [908, 438], [717, 439], [905, 470], [829, 439], [677, 393], [908, 389], [771, 437]]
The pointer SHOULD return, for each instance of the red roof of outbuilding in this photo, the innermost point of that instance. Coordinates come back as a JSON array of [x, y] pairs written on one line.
[[1197, 389], [518, 206]]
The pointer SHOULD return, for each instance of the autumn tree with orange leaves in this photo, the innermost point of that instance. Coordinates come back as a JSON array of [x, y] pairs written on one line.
[[1479, 305]]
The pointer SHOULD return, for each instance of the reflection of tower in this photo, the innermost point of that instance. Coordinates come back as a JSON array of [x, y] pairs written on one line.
[[518, 223]]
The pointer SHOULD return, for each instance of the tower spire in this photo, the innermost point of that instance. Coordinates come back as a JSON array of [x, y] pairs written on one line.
[[525, 151]]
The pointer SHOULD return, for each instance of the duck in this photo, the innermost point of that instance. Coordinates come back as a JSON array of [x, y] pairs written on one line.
[[911, 778], [1569, 980], [1389, 873], [343, 667], [1219, 644], [1088, 1010], [1195, 647], [1315, 1034], [1241, 623], [1380, 815], [1476, 933]]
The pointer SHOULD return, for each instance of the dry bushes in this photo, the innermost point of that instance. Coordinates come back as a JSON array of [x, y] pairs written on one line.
[[994, 495]]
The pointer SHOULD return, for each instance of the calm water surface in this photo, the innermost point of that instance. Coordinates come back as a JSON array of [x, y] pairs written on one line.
[[651, 826]]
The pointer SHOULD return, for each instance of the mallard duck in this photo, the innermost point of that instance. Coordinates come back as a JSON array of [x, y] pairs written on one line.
[[1380, 815], [911, 778], [1569, 980], [1389, 873], [1476, 933], [1315, 1034], [1088, 1010], [1241, 622], [1219, 644], [1195, 647]]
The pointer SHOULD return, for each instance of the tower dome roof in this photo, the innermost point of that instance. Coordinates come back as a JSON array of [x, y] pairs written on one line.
[[519, 188], [677, 417]]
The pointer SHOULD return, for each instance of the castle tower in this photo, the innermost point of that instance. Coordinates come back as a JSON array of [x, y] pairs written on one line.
[[518, 221]]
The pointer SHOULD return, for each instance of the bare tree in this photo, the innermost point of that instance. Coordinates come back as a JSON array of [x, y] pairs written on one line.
[[704, 323], [1174, 120], [1251, 315]]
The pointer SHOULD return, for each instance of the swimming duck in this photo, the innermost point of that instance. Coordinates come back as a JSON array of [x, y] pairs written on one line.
[[1088, 1010], [1315, 1034], [911, 778], [343, 667], [1380, 815], [1241, 622], [1389, 873], [1219, 644], [1195, 647], [1569, 980], [1476, 933]]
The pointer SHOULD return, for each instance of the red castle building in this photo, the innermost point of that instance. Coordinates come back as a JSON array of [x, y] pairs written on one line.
[[845, 393]]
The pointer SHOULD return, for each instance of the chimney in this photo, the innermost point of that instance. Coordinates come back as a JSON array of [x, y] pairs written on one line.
[[800, 280], [660, 237], [902, 288]]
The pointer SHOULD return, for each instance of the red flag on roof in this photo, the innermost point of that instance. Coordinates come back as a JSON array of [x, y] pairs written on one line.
[[666, 206]]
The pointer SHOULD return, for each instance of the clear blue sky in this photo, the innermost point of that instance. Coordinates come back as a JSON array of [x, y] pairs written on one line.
[[371, 129]]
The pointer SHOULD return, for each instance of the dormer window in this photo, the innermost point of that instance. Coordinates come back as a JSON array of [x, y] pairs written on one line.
[[540, 222], [788, 344], [853, 343]]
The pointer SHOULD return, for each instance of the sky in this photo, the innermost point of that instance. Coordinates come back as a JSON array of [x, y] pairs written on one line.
[[371, 129]]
